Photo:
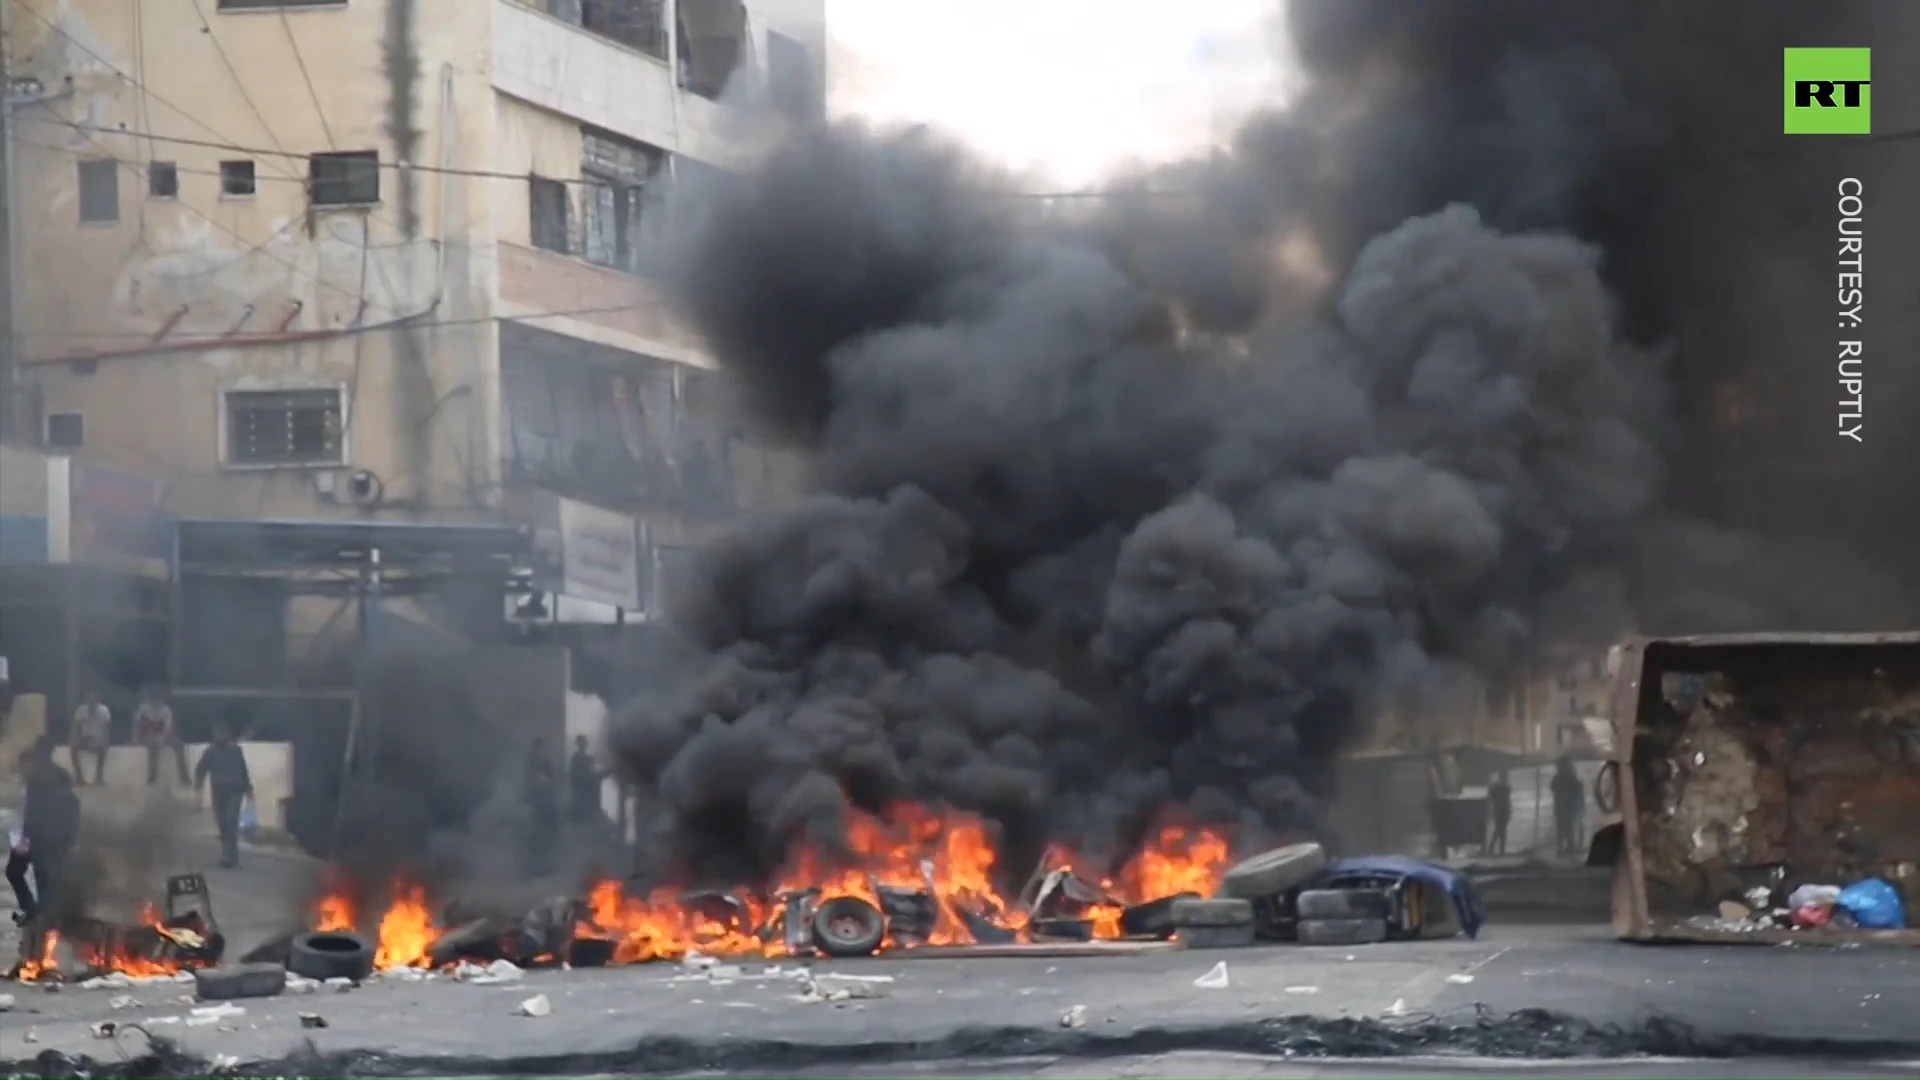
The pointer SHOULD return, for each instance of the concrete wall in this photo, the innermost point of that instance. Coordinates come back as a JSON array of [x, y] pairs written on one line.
[[202, 270], [23, 482]]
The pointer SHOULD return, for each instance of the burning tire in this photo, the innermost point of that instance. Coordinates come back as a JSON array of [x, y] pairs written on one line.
[[848, 926], [1342, 904], [1342, 931], [330, 954], [1274, 872]]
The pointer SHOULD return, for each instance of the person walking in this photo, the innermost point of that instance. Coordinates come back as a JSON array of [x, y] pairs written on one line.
[[49, 824], [92, 734], [1500, 807], [543, 818], [223, 767], [154, 728], [1569, 805]]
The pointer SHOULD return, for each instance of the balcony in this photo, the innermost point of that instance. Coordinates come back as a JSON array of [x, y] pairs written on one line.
[[615, 428], [561, 65]]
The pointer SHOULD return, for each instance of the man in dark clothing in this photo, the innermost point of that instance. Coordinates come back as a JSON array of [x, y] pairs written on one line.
[[49, 824], [583, 786], [543, 817], [224, 767], [1569, 805], [1500, 806]]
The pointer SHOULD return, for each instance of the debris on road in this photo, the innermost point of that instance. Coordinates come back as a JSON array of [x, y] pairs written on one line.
[[535, 1006], [1274, 872], [339, 984], [1303, 991], [1075, 1017], [124, 1001], [312, 1020], [1459, 978], [846, 987], [7, 1002], [104, 1029], [1214, 979], [214, 1014]]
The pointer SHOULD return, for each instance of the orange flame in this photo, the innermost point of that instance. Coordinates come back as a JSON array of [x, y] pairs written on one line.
[[951, 855]]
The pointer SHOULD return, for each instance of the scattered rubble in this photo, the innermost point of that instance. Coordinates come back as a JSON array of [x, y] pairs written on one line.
[[312, 1020], [1075, 1017], [535, 1006]]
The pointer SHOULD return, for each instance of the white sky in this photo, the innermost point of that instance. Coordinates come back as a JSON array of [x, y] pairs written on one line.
[[1066, 87]]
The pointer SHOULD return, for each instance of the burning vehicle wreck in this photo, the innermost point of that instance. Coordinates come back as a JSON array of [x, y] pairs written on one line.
[[1773, 788]]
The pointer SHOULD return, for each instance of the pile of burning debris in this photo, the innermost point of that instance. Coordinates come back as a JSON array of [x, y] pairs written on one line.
[[916, 881], [163, 943]]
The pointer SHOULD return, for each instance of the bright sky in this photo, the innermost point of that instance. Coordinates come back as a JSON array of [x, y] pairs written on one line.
[[1067, 87]]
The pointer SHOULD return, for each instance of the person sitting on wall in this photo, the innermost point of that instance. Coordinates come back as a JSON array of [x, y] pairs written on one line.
[[154, 728], [92, 734]]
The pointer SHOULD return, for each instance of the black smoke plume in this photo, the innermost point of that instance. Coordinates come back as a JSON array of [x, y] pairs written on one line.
[[1151, 503]]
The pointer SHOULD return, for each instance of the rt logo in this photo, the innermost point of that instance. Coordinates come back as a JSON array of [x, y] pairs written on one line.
[[1828, 92]]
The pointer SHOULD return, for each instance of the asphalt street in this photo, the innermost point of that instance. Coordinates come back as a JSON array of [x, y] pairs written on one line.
[[1136, 1008]]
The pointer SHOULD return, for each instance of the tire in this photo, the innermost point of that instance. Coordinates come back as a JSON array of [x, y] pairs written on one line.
[[1189, 913], [847, 926], [1153, 918], [1216, 937], [1342, 904], [1274, 872], [239, 981], [330, 954], [1341, 931]]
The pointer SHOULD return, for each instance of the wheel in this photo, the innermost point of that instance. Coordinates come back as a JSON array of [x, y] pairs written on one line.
[[1342, 931], [1342, 904], [1274, 872], [1153, 918], [330, 954], [1216, 937], [1196, 912], [1606, 788], [848, 926]]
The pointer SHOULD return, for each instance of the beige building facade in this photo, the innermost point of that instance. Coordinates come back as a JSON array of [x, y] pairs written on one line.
[[383, 258]]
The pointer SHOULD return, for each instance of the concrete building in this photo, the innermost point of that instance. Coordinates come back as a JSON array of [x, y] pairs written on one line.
[[350, 259]]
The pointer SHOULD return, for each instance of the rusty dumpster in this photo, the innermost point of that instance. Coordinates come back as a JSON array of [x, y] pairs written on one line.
[[1763, 760]]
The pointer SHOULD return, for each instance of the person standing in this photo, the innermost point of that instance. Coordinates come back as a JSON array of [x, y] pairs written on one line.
[[154, 728], [223, 767], [543, 817], [1569, 803], [49, 823], [583, 786], [92, 734], [1500, 806]]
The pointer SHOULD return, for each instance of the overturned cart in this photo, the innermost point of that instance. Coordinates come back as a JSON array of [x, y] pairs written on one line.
[[1758, 770]]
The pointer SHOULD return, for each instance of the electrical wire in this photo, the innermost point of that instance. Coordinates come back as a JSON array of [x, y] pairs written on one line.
[[286, 25], [241, 341]]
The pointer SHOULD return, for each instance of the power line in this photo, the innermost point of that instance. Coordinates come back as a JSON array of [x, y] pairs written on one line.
[[404, 322]]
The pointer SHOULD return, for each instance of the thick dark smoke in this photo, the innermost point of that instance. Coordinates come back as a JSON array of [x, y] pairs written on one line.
[[1123, 509]]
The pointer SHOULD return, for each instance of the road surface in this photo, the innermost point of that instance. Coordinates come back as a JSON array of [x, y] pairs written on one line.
[[1395, 999]]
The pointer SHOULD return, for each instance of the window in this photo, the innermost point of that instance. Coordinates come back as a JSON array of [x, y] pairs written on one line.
[[66, 430], [163, 180], [616, 173], [99, 191], [549, 212], [283, 427], [637, 24], [264, 5], [345, 179], [236, 178]]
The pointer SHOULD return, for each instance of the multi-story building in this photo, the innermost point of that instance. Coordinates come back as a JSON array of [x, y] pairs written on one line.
[[323, 259]]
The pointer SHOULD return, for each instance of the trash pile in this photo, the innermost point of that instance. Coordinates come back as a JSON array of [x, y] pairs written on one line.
[[1868, 904]]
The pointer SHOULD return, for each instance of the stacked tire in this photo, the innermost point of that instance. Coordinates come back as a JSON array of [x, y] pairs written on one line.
[[1321, 916]]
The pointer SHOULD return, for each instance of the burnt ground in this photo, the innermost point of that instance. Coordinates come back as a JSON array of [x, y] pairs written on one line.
[[1590, 998]]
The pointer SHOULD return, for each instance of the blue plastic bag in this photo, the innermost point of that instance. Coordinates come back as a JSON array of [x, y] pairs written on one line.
[[1874, 904], [250, 820]]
